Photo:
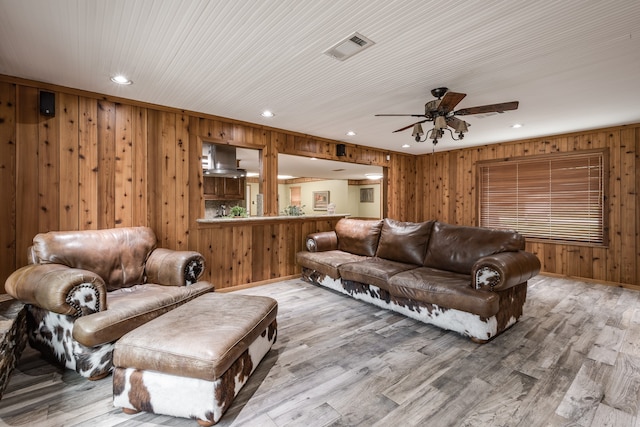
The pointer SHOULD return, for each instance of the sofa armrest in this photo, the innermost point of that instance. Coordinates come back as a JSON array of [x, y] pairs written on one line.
[[322, 241], [58, 288], [504, 270], [174, 268]]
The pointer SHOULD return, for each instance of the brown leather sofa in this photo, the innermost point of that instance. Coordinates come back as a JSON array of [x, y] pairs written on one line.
[[86, 289], [470, 280]]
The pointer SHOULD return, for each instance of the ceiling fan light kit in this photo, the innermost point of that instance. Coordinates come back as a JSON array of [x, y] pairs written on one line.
[[441, 112]]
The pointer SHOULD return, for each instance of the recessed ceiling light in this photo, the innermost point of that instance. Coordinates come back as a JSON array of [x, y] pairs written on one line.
[[284, 177], [406, 146], [373, 175], [121, 80], [252, 174], [267, 113], [516, 125], [351, 133]]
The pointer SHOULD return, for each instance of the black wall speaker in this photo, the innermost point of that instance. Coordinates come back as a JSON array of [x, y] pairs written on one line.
[[47, 103], [341, 150]]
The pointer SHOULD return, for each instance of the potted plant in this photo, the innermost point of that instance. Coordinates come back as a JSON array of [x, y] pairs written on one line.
[[238, 211], [293, 210]]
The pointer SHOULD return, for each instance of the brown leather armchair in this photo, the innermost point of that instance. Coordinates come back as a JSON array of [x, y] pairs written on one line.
[[85, 289]]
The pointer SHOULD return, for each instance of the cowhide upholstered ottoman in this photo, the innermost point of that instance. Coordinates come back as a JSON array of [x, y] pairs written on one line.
[[192, 361]]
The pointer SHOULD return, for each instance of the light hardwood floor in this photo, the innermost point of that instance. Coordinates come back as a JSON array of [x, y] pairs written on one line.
[[573, 359]]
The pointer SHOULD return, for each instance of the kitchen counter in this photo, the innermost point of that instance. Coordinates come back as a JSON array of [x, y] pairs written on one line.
[[268, 218], [257, 249]]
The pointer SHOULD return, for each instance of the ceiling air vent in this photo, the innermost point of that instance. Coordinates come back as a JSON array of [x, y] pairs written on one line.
[[349, 46]]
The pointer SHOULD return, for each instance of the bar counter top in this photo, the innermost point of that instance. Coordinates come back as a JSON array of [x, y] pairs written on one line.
[[225, 220]]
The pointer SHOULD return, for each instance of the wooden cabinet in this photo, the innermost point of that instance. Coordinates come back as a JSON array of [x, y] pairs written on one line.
[[217, 188]]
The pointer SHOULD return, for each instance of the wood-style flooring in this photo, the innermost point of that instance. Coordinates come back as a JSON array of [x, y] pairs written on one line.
[[572, 360]]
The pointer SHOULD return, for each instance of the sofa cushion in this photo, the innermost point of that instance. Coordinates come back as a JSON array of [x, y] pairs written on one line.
[[117, 255], [373, 271], [404, 241], [444, 289], [358, 236], [456, 248], [131, 307], [326, 262]]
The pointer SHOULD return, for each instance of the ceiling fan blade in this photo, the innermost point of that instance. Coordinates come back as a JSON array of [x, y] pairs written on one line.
[[410, 126], [505, 106], [450, 100], [397, 115], [455, 122]]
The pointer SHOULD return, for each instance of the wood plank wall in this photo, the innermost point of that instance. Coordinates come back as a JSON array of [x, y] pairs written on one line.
[[106, 162], [447, 182], [255, 251], [110, 162]]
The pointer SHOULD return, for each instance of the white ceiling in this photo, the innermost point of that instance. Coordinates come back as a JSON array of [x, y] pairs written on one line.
[[572, 64]]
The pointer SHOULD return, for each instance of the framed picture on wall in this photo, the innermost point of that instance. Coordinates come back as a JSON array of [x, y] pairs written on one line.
[[366, 195], [320, 200]]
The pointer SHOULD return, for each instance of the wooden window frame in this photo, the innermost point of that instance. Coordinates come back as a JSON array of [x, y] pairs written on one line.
[[526, 213]]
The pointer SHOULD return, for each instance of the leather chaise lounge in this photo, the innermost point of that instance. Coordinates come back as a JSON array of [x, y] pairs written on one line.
[[471, 280], [84, 290]]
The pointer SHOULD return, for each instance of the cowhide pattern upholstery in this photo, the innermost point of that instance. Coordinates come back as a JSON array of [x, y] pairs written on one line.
[[51, 334], [479, 329], [85, 299], [206, 401], [487, 277], [192, 271]]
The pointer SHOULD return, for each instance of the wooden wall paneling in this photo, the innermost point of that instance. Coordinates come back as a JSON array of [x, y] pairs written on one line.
[[139, 149], [571, 260], [409, 200], [446, 192], [182, 182], [637, 201], [220, 259], [223, 130], [274, 244], [585, 261], [434, 183], [473, 186], [154, 171], [269, 174], [449, 188], [69, 162], [229, 255], [49, 172], [392, 188], [106, 168], [260, 260], [7, 181], [206, 129], [242, 255], [420, 191], [168, 174], [27, 198], [88, 159], [205, 246], [628, 212], [615, 208], [123, 166], [196, 198]]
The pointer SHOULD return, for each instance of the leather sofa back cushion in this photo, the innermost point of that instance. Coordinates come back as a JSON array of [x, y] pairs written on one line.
[[117, 255], [358, 236], [456, 248], [404, 241]]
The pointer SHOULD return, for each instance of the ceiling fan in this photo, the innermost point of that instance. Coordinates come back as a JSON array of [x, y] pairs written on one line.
[[441, 112]]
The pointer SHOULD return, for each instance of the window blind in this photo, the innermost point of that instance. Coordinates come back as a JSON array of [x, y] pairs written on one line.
[[559, 197]]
